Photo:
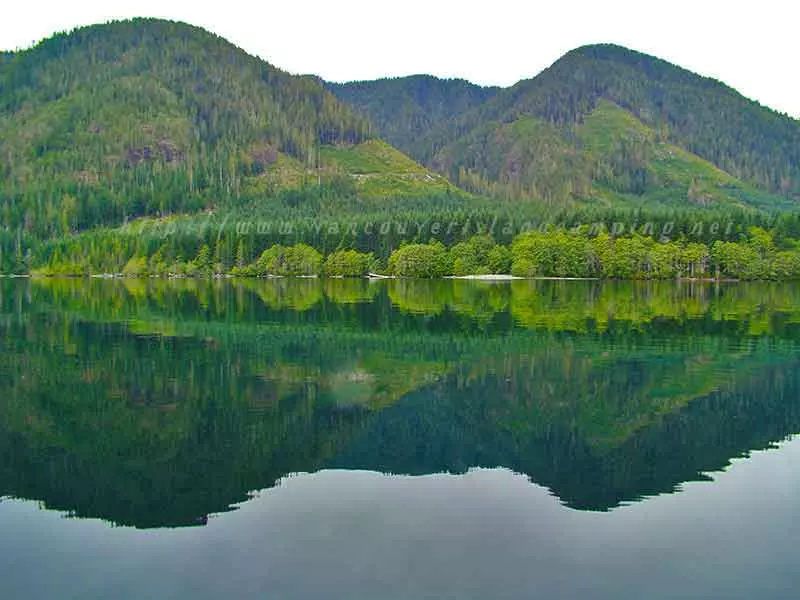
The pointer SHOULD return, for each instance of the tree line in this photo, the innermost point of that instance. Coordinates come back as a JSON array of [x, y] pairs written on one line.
[[569, 253]]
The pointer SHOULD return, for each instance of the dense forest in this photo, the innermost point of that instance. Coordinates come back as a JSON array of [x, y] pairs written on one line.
[[404, 109], [422, 243]]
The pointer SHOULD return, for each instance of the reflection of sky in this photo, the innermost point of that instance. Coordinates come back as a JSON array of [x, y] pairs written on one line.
[[486, 534]]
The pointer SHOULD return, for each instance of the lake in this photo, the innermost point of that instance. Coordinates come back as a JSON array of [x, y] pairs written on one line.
[[398, 439]]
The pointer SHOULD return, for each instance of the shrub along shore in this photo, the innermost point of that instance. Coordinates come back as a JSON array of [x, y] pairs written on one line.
[[552, 254]]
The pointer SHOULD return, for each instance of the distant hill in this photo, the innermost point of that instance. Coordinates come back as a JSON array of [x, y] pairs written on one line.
[[140, 117], [614, 126], [404, 109]]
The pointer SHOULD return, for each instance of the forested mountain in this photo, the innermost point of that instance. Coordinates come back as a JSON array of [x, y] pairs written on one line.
[[109, 123], [115, 121], [403, 109], [613, 125]]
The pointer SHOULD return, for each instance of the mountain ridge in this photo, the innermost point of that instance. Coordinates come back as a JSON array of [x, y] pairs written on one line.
[[748, 141], [149, 117]]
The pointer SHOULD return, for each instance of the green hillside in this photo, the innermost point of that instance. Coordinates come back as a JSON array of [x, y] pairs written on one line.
[[145, 117], [403, 109], [614, 126], [611, 157]]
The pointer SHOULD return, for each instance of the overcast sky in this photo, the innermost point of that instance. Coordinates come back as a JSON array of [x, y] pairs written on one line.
[[752, 46]]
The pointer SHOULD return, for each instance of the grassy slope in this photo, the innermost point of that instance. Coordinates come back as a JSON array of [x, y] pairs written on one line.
[[675, 170], [376, 170], [379, 169]]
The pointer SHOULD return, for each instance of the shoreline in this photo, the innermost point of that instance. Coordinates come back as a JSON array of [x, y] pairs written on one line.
[[496, 277], [372, 277]]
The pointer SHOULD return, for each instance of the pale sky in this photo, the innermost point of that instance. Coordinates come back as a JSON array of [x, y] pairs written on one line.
[[753, 46]]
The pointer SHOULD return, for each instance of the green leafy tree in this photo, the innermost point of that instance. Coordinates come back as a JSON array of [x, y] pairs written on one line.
[[298, 260], [421, 260], [472, 257], [349, 263]]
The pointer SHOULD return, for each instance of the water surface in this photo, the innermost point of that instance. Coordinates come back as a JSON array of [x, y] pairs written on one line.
[[398, 439]]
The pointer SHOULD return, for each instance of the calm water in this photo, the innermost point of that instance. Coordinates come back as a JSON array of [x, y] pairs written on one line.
[[354, 439]]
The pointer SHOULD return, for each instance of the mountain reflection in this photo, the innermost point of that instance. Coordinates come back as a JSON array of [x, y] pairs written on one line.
[[155, 404]]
